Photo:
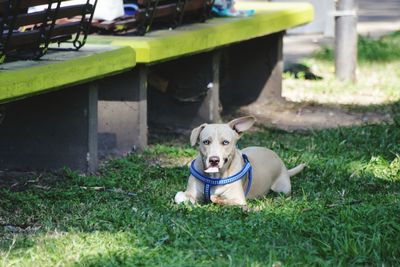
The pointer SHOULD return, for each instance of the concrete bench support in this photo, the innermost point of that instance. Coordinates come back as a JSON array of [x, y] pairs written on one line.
[[51, 131], [192, 94], [183, 62], [76, 126], [52, 111], [123, 113], [252, 71]]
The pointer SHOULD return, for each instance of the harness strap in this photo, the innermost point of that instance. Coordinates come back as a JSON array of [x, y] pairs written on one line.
[[210, 182]]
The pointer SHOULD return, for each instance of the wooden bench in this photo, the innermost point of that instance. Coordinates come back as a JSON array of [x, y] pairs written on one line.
[[27, 35], [156, 14], [49, 109], [189, 72]]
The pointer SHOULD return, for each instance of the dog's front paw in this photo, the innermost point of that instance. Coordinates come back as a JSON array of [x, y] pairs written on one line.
[[223, 201], [217, 200], [180, 197]]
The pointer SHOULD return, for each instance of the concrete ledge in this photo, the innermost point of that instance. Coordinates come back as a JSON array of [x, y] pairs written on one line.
[[59, 69]]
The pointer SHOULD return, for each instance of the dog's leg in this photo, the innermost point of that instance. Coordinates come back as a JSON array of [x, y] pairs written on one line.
[[221, 201], [193, 193], [282, 184], [224, 201], [229, 195]]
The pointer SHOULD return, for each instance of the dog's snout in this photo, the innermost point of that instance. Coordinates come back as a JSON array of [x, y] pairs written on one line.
[[214, 160]]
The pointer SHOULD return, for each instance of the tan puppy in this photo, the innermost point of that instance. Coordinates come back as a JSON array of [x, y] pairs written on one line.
[[219, 158]]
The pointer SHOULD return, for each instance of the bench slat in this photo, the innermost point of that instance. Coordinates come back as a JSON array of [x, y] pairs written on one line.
[[161, 45], [164, 13], [146, 2], [37, 17], [32, 41], [169, 9], [25, 4], [22, 39]]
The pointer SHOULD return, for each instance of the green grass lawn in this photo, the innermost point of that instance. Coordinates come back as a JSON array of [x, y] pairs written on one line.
[[378, 75], [344, 209]]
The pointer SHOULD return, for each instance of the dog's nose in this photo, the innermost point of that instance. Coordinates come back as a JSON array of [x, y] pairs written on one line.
[[214, 160]]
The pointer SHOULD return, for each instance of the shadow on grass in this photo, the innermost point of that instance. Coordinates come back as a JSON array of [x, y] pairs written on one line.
[[343, 209]]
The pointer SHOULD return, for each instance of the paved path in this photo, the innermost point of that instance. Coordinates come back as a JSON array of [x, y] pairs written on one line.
[[375, 18], [378, 17]]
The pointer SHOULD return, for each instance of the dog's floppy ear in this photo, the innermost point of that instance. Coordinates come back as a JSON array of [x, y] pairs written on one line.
[[242, 124], [194, 136]]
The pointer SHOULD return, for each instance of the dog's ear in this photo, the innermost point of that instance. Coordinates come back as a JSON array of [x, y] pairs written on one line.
[[242, 124], [194, 136]]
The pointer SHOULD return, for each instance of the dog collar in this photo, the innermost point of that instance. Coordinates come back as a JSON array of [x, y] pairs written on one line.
[[210, 182]]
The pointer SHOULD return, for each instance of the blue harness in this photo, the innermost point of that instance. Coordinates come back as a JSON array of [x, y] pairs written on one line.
[[210, 182]]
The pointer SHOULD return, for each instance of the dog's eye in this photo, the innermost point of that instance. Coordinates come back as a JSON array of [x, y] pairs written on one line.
[[206, 142], [225, 142]]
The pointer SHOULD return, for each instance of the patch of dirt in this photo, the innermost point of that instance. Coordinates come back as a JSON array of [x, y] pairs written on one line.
[[292, 116], [165, 161], [17, 181]]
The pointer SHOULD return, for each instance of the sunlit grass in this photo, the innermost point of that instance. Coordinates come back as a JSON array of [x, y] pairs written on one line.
[[377, 84], [384, 49], [378, 76]]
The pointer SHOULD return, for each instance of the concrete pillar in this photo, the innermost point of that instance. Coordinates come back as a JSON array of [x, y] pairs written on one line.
[[251, 72], [51, 131], [188, 92], [122, 113]]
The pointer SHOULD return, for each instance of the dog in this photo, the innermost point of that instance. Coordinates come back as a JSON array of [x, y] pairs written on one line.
[[220, 160]]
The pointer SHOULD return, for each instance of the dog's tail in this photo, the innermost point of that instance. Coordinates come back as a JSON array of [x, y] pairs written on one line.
[[296, 169]]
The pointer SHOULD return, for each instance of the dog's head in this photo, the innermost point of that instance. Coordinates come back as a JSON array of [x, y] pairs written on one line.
[[217, 142]]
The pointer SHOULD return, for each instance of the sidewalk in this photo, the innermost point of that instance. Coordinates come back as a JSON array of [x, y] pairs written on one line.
[[375, 18]]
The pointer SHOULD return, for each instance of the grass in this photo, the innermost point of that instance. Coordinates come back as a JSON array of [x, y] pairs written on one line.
[[344, 209], [383, 49], [377, 84]]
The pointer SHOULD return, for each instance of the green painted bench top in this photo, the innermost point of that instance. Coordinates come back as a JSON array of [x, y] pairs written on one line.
[[58, 69], [164, 44]]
